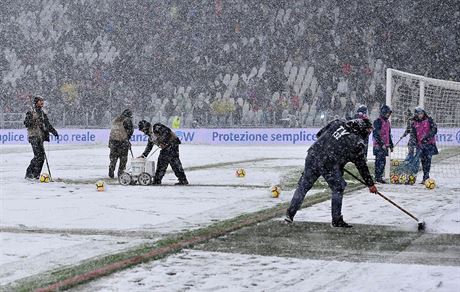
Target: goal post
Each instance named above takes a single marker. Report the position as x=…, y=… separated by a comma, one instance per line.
x=439, y=98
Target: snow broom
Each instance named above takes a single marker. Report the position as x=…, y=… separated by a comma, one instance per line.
x=421, y=223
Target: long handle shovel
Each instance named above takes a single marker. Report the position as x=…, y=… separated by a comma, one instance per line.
x=153, y=152
x=421, y=223
x=131, y=149
x=47, y=165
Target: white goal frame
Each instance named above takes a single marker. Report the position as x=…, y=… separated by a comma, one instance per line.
x=423, y=81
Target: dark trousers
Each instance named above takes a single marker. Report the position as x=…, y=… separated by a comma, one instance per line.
x=36, y=164
x=118, y=150
x=425, y=158
x=169, y=156
x=311, y=173
x=380, y=161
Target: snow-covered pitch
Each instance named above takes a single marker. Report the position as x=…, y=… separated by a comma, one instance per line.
x=45, y=226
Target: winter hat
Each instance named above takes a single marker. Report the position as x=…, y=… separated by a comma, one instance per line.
x=127, y=113
x=37, y=98
x=419, y=110
x=360, y=126
x=144, y=125
x=362, y=109
x=385, y=110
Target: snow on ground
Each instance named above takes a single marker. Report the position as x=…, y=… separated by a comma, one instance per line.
x=77, y=222
x=213, y=271
x=26, y=254
x=74, y=216
x=193, y=270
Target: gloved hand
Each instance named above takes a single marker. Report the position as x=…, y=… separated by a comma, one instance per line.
x=373, y=189
x=384, y=147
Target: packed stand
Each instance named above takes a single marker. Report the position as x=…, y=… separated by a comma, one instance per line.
x=229, y=64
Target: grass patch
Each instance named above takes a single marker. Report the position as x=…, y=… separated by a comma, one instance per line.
x=172, y=243
x=160, y=249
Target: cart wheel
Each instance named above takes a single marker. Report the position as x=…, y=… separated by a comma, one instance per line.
x=125, y=179
x=144, y=179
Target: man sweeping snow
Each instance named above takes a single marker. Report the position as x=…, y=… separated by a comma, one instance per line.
x=338, y=143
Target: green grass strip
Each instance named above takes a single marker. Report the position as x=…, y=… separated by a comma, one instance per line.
x=92, y=269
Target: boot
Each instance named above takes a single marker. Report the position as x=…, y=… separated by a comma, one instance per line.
x=182, y=182
x=424, y=179
x=288, y=218
x=340, y=223
x=381, y=180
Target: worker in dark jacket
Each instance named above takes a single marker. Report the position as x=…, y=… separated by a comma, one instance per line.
x=120, y=134
x=167, y=140
x=423, y=134
x=361, y=113
x=338, y=143
x=382, y=141
x=38, y=131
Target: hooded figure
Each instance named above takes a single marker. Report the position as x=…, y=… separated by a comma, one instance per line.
x=120, y=133
x=361, y=113
x=38, y=131
x=167, y=140
x=338, y=143
x=382, y=141
x=423, y=131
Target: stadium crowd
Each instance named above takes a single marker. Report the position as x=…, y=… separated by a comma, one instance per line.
x=230, y=64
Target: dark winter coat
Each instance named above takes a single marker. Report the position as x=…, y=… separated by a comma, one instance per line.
x=382, y=135
x=122, y=130
x=339, y=144
x=162, y=136
x=38, y=125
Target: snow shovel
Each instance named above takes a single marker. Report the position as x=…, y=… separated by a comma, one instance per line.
x=47, y=165
x=421, y=223
x=130, y=149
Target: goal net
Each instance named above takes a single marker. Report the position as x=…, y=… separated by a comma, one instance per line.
x=441, y=101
